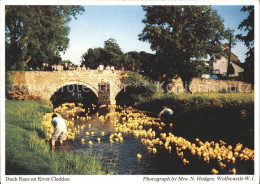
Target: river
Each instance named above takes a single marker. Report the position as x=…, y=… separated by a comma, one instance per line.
x=121, y=156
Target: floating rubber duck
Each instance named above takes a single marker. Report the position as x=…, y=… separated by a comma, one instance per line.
x=139, y=156
x=83, y=140
x=98, y=140
x=214, y=171
x=233, y=171
x=154, y=150
x=184, y=161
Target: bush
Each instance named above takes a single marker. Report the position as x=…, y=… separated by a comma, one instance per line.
x=144, y=88
x=8, y=84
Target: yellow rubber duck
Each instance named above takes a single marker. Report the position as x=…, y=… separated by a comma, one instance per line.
x=83, y=140
x=154, y=150
x=214, y=171
x=139, y=156
x=184, y=161
x=98, y=140
x=233, y=171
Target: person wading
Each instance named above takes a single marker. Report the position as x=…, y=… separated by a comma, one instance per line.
x=166, y=115
x=60, y=130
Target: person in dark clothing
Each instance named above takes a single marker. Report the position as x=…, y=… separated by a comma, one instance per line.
x=47, y=67
x=66, y=67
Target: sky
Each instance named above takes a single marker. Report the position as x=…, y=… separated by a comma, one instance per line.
x=124, y=23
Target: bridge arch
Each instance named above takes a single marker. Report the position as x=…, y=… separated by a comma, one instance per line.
x=75, y=91
x=124, y=96
x=92, y=87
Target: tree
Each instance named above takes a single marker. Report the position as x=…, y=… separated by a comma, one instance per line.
x=144, y=62
x=93, y=57
x=183, y=37
x=248, y=26
x=112, y=53
x=36, y=34
x=62, y=62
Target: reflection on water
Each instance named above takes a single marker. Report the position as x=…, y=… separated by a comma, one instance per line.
x=122, y=157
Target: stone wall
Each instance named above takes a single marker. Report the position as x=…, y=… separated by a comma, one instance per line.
x=44, y=84
x=210, y=85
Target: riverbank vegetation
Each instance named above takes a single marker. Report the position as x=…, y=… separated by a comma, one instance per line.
x=142, y=87
x=184, y=102
x=28, y=153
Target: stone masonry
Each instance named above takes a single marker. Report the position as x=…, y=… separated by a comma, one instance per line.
x=44, y=84
x=210, y=85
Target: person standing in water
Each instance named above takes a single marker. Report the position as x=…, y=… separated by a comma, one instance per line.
x=60, y=130
x=166, y=115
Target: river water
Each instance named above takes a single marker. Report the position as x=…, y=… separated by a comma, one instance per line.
x=121, y=157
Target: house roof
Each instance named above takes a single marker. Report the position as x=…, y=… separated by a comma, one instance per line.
x=242, y=65
x=234, y=58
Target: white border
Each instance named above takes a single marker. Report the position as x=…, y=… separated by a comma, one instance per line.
x=2, y=91
x=129, y=2
x=122, y=178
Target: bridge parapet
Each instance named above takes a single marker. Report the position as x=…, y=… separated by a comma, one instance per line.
x=44, y=83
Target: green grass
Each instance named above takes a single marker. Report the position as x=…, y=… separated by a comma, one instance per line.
x=28, y=153
x=183, y=102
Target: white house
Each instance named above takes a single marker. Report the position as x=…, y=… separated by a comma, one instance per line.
x=220, y=66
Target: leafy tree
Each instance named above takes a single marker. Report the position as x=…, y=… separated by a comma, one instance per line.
x=56, y=60
x=182, y=37
x=36, y=34
x=145, y=63
x=248, y=26
x=112, y=53
x=93, y=57
x=62, y=62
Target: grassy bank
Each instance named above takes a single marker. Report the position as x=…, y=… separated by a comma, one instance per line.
x=28, y=153
x=182, y=102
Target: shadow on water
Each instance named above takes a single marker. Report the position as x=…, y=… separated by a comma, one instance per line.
x=217, y=124
x=75, y=94
x=124, y=97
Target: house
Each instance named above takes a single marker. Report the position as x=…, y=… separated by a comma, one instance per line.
x=220, y=66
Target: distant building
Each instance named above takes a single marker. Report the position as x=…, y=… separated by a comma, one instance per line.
x=220, y=66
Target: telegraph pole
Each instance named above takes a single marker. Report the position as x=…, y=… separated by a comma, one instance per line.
x=229, y=56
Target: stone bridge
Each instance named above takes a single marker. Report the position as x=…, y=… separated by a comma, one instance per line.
x=44, y=84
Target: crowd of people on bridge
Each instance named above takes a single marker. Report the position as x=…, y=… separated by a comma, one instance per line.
x=66, y=66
